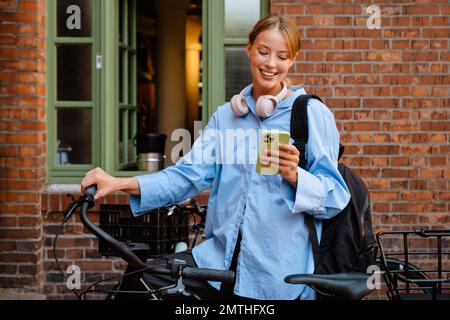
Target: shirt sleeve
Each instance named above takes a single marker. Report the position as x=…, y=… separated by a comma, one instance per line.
x=321, y=191
x=191, y=175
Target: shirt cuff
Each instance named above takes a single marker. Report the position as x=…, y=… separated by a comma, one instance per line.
x=152, y=186
x=309, y=196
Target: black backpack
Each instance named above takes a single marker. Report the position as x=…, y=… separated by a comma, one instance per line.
x=347, y=243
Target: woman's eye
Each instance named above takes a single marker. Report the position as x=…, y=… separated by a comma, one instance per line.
x=282, y=58
x=263, y=52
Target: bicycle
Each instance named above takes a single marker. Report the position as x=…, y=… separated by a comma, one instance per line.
x=404, y=280
x=401, y=276
x=137, y=269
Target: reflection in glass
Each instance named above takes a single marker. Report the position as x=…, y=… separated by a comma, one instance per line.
x=73, y=136
x=237, y=71
x=74, y=72
x=240, y=16
x=74, y=18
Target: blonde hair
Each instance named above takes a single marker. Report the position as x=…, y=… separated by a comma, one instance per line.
x=286, y=27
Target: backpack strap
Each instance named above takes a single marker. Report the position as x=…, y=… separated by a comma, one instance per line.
x=299, y=125
x=309, y=220
x=299, y=132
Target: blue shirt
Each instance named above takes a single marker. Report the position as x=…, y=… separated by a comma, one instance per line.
x=267, y=209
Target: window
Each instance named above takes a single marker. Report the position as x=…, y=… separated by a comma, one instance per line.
x=72, y=90
x=104, y=69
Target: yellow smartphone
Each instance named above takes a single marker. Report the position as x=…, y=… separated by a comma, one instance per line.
x=270, y=140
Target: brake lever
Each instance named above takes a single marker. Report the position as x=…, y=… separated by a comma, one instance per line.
x=177, y=266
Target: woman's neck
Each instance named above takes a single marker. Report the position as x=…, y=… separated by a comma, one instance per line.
x=258, y=92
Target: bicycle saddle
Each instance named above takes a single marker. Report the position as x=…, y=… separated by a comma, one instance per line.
x=349, y=286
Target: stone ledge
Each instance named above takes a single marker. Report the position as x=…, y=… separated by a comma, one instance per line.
x=20, y=294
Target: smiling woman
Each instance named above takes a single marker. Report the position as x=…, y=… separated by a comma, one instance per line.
x=264, y=213
x=272, y=50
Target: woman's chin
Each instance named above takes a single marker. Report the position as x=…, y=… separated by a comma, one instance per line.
x=267, y=84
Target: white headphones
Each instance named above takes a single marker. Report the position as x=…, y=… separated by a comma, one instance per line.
x=265, y=106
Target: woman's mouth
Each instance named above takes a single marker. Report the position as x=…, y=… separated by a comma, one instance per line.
x=268, y=74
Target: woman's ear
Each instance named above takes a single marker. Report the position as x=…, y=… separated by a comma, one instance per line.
x=249, y=47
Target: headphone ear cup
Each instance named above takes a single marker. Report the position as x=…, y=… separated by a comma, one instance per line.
x=266, y=106
x=239, y=105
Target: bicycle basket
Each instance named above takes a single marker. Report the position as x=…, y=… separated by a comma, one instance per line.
x=149, y=235
x=416, y=264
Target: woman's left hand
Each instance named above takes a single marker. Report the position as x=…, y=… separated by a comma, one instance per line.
x=286, y=158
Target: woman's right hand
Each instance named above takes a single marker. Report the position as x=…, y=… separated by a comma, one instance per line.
x=106, y=184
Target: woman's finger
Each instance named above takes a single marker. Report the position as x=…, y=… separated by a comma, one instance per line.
x=284, y=155
x=288, y=148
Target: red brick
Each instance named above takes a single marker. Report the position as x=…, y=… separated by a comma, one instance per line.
x=8, y=4
x=395, y=173
x=424, y=9
x=381, y=149
x=28, y=5
x=384, y=196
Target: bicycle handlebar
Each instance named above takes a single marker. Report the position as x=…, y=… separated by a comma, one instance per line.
x=204, y=274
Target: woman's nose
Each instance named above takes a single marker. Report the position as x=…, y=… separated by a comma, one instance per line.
x=270, y=61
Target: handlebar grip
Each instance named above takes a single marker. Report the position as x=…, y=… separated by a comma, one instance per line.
x=209, y=274
x=89, y=194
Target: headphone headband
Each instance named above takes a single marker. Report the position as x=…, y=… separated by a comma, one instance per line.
x=265, y=106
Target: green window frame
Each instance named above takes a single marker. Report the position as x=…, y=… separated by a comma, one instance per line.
x=107, y=111
x=72, y=172
x=105, y=107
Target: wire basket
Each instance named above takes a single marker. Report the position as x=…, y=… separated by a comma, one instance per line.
x=149, y=235
x=416, y=264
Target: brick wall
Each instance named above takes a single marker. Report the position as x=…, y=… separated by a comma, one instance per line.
x=388, y=88
x=22, y=141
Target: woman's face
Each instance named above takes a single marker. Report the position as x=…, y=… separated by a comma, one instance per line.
x=269, y=61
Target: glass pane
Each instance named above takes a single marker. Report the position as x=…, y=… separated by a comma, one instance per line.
x=73, y=136
x=121, y=154
x=131, y=134
x=74, y=72
x=240, y=16
x=74, y=18
x=121, y=65
x=131, y=21
x=131, y=78
x=237, y=71
x=121, y=12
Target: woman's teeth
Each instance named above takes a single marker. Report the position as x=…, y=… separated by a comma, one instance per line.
x=268, y=74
